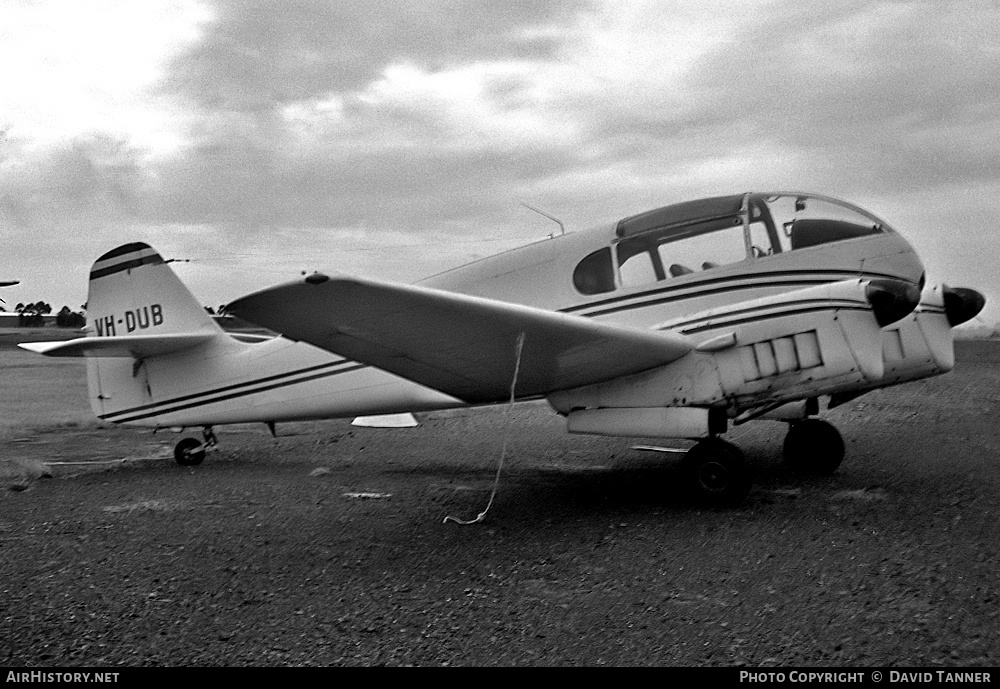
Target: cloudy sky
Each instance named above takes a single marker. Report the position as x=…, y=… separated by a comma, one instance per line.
x=258, y=139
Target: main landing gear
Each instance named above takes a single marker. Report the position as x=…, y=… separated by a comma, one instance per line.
x=718, y=473
x=813, y=446
x=191, y=451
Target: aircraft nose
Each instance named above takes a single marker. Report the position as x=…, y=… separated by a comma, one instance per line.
x=891, y=299
x=962, y=304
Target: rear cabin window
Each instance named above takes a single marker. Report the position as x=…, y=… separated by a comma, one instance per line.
x=596, y=273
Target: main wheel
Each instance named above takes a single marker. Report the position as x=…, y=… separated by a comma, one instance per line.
x=814, y=446
x=718, y=472
x=187, y=454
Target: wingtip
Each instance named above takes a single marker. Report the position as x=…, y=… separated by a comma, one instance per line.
x=38, y=347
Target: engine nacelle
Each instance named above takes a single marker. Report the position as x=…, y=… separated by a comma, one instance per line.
x=656, y=422
x=764, y=352
x=922, y=344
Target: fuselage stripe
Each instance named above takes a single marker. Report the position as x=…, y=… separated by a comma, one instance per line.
x=691, y=290
x=774, y=310
x=752, y=319
x=237, y=390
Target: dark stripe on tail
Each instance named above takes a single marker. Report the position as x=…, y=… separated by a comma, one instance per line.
x=130, y=256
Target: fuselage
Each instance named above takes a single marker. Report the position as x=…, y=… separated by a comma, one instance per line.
x=640, y=271
x=234, y=382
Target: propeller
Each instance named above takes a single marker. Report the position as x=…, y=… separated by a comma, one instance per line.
x=891, y=299
x=962, y=304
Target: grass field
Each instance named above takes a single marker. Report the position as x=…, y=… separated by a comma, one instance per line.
x=41, y=392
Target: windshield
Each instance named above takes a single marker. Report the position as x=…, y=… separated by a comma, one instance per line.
x=798, y=221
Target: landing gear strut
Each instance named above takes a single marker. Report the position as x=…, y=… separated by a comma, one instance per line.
x=718, y=472
x=191, y=451
x=813, y=446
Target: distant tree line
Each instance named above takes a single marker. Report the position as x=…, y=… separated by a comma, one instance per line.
x=33, y=316
x=70, y=319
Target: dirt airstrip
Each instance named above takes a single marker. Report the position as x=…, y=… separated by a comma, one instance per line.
x=326, y=545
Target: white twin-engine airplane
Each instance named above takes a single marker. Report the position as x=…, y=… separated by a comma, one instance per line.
x=673, y=323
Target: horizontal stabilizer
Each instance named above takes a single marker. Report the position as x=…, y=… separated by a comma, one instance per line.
x=137, y=346
x=459, y=344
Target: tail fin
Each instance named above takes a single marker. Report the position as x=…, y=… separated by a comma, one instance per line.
x=139, y=316
x=134, y=292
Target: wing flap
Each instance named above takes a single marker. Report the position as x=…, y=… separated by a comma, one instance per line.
x=462, y=345
x=404, y=420
x=138, y=346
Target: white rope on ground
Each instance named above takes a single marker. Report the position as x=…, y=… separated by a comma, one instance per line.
x=105, y=461
x=503, y=448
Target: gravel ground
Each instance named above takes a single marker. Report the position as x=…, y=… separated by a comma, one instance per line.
x=326, y=545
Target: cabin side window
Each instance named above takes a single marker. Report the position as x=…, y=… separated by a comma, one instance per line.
x=702, y=252
x=638, y=262
x=638, y=270
x=595, y=274
x=675, y=252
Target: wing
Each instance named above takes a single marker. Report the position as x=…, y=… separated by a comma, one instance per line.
x=462, y=345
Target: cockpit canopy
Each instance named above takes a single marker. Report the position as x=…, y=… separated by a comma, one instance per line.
x=707, y=234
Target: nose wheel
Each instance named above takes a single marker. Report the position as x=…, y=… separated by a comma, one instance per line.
x=718, y=473
x=813, y=446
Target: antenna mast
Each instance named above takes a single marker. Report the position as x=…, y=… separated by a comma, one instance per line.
x=562, y=228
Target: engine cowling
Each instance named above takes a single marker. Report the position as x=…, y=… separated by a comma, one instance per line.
x=765, y=352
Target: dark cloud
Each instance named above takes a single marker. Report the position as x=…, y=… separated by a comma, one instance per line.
x=256, y=55
x=850, y=96
x=895, y=95
x=256, y=186
x=393, y=163
x=83, y=182
x=60, y=205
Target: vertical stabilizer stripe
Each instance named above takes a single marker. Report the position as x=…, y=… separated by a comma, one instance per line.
x=125, y=258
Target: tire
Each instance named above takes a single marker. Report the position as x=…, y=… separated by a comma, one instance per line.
x=185, y=453
x=814, y=446
x=717, y=472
